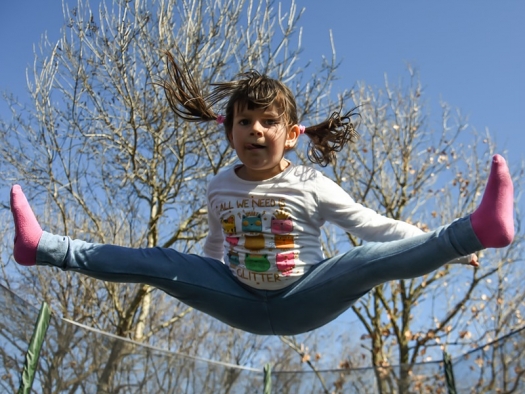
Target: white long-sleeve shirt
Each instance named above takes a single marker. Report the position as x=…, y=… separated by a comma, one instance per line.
x=269, y=231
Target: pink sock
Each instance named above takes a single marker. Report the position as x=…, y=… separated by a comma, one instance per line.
x=493, y=221
x=27, y=229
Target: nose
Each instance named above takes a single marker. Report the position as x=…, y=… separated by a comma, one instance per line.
x=257, y=129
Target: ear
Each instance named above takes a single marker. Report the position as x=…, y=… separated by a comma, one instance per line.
x=230, y=139
x=292, y=136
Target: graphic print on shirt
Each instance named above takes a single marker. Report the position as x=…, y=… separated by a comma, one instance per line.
x=252, y=228
x=252, y=223
x=257, y=262
x=229, y=228
x=281, y=222
x=254, y=242
x=228, y=225
x=286, y=262
x=284, y=241
x=281, y=226
x=233, y=241
x=233, y=258
x=259, y=241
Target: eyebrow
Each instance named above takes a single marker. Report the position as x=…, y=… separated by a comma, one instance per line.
x=273, y=113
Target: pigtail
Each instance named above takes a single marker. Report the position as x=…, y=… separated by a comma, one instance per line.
x=184, y=95
x=330, y=136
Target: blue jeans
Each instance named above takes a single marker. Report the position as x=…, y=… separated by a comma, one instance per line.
x=323, y=293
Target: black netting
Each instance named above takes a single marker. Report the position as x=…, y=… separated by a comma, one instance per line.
x=76, y=359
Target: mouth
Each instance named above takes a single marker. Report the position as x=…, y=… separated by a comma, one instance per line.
x=254, y=146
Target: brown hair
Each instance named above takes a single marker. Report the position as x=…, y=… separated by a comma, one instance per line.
x=255, y=90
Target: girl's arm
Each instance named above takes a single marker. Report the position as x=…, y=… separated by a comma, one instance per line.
x=214, y=243
x=336, y=206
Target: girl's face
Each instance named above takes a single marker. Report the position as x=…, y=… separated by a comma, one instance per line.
x=260, y=138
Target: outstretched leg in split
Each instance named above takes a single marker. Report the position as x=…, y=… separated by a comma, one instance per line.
x=27, y=230
x=493, y=221
x=203, y=283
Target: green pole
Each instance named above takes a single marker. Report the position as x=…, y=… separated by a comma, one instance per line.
x=33, y=351
x=449, y=373
x=268, y=379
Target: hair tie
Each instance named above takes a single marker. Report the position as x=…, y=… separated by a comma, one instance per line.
x=220, y=119
x=302, y=128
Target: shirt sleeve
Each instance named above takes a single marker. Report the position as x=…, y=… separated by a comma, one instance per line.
x=337, y=207
x=213, y=245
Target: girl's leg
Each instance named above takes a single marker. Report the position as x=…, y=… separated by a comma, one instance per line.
x=334, y=285
x=493, y=221
x=203, y=283
x=27, y=229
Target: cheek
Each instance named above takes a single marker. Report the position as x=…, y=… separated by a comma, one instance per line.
x=277, y=138
x=277, y=134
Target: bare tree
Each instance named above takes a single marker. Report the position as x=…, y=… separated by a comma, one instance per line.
x=408, y=167
x=103, y=158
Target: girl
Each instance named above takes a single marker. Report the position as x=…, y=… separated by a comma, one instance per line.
x=263, y=269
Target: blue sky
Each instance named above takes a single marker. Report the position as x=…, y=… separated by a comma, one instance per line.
x=470, y=54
